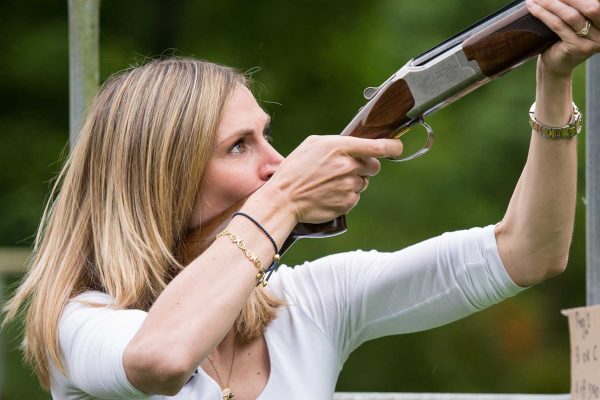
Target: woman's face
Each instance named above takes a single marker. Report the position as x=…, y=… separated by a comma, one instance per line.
x=242, y=159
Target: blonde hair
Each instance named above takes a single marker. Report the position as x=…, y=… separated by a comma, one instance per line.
x=118, y=212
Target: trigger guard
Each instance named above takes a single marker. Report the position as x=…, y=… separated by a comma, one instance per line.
x=424, y=149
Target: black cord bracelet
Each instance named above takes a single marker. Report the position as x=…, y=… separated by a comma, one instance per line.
x=275, y=264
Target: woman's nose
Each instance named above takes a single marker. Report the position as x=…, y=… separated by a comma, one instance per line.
x=272, y=161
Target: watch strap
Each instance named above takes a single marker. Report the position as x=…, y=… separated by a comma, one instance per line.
x=561, y=132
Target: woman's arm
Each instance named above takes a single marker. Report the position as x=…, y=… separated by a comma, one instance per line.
x=535, y=234
x=197, y=309
x=320, y=180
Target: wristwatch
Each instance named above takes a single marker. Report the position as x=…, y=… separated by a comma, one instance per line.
x=564, y=132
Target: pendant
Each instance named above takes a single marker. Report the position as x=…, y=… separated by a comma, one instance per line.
x=227, y=394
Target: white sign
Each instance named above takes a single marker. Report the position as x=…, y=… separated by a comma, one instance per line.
x=584, y=328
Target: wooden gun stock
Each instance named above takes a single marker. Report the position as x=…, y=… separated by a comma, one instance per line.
x=442, y=75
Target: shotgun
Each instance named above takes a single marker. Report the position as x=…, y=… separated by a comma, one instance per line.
x=482, y=52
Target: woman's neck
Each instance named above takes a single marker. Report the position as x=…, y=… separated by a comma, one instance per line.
x=225, y=348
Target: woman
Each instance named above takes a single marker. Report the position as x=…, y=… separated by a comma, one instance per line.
x=118, y=306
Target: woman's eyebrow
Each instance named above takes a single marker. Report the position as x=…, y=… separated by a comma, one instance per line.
x=240, y=133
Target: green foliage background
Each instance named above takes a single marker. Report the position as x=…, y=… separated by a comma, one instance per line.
x=315, y=57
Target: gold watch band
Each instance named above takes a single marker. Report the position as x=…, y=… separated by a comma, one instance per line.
x=562, y=132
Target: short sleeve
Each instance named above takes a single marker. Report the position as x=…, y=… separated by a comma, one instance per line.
x=92, y=340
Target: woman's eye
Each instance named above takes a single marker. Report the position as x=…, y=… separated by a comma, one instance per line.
x=267, y=134
x=238, y=147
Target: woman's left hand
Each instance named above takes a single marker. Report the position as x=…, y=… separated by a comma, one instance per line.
x=567, y=18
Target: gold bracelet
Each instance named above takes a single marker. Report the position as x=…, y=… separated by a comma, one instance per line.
x=557, y=132
x=251, y=256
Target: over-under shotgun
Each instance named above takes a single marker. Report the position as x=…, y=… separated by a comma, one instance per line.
x=444, y=74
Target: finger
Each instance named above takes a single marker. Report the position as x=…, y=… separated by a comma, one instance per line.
x=564, y=31
x=378, y=148
x=567, y=13
x=580, y=47
x=361, y=184
x=368, y=166
x=589, y=8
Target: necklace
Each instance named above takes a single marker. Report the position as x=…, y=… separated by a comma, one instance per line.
x=227, y=394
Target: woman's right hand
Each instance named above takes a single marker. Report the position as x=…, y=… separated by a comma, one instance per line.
x=322, y=178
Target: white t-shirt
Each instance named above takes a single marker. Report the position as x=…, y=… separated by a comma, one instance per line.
x=335, y=304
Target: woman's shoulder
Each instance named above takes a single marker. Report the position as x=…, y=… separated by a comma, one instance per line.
x=89, y=299
x=92, y=305
x=92, y=335
x=92, y=295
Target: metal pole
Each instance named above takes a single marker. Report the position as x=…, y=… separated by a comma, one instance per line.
x=592, y=180
x=84, y=20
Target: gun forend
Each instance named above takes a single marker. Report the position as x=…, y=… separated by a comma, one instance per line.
x=449, y=71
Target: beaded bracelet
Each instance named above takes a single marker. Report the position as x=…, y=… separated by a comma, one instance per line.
x=275, y=264
x=251, y=256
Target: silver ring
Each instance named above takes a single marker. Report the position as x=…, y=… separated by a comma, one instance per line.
x=366, y=180
x=586, y=29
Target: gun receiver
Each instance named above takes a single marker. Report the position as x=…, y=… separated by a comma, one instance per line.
x=431, y=81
